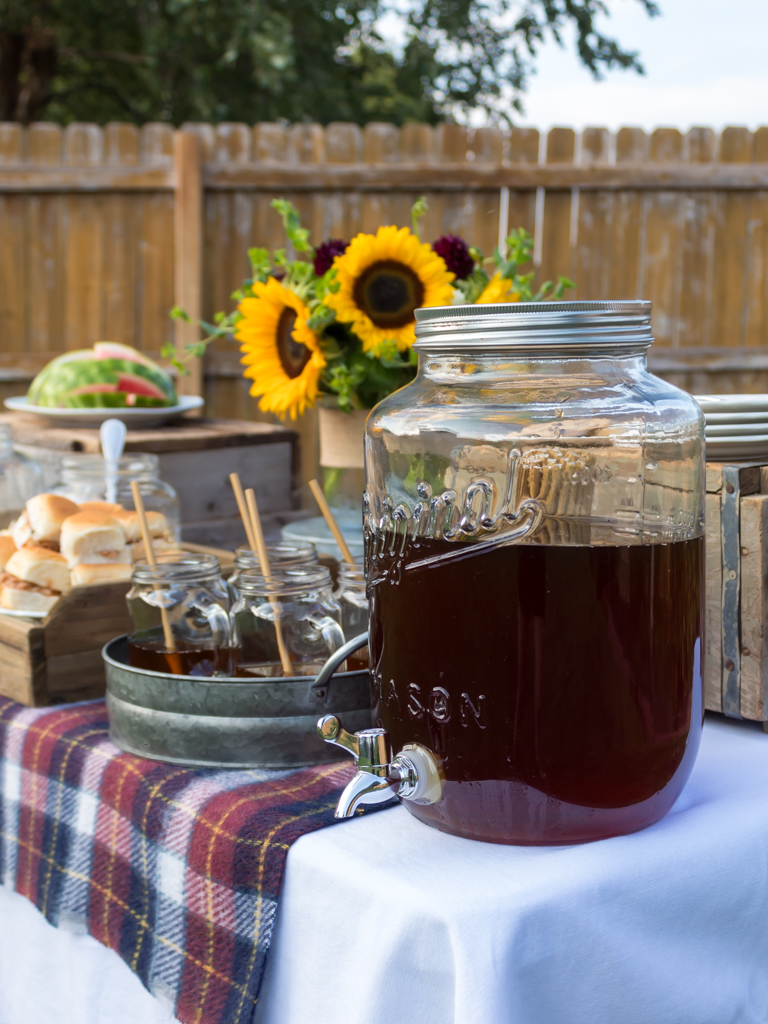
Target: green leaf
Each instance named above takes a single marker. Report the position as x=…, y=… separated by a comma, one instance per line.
x=321, y=317
x=418, y=210
x=261, y=265
x=298, y=235
x=177, y=313
x=563, y=284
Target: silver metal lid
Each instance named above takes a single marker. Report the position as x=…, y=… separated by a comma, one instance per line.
x=574, y=327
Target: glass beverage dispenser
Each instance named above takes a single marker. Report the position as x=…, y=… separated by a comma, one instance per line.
x=534, y=544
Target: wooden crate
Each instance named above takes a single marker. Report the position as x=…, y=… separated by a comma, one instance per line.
x=58, y=659
x=196, y=457
x=736, y=663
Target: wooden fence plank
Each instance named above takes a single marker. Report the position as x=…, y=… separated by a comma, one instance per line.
x=381, y=145
x=662, y=232
x=732, y=215
x=523, y=151
x=697, y=240
x=756, y=286
x=118, y=314
x=156, y=144
x=83, y=242
x=45, y=257
x=188, y=249
x=626, y=272
x=592, y=261
x=14, y=294
x=556, y=229
x=483, y=230
x=448, y=214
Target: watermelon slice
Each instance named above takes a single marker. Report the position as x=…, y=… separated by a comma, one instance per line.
x=114, y=350
x=133, y=384
x=108, y=375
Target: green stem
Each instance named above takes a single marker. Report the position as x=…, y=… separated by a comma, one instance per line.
x=331, y=482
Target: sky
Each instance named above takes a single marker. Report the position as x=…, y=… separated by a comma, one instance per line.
x=706, y=64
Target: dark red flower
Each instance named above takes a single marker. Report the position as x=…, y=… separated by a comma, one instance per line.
x=326, y=253
x=455, y=252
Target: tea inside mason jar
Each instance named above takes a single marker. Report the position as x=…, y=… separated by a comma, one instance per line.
x=186, y=660
x=548, y=679
x=287, y=625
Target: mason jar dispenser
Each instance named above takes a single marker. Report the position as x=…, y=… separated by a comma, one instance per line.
x=534, y=546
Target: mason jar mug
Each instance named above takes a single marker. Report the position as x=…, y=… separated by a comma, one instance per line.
x=180, y=611
x=534, y=551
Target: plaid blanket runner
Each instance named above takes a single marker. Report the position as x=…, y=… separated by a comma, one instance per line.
x=176, y=869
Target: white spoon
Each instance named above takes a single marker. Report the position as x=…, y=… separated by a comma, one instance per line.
x=112, y=436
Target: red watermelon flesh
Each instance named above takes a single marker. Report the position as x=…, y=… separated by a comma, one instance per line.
x=132, y=384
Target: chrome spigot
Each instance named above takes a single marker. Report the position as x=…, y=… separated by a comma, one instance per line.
x=413, y=774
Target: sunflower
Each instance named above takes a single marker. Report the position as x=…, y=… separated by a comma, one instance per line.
x=499, y=289
x=282, y=354
x=383, y=278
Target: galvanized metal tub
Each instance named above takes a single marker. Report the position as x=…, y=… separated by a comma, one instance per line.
x=229, y=723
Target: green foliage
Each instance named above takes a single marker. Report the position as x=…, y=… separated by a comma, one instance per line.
x=265, y=60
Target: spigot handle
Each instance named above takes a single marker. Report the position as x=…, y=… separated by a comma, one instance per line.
x=329, y=728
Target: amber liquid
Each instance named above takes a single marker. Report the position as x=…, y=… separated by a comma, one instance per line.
x=184, y=661
x=559, y=685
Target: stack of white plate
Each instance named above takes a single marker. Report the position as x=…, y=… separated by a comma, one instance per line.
x=737, y=426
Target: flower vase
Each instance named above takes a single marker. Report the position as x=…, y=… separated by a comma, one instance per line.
x=341, y=455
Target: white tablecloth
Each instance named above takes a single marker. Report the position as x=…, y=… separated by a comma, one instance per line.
x=385, y=921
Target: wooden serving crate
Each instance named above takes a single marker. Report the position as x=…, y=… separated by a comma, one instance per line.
x=736, y=662
x=58, y=659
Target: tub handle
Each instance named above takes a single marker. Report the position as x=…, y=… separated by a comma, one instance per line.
x=320, y=688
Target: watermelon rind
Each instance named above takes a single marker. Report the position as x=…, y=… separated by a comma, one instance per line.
x=54, y=385
x=111, y=400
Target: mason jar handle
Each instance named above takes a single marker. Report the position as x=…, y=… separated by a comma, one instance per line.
x=338, y=657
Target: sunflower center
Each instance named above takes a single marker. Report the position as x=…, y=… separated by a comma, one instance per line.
x=389, y=292
x=294, y=355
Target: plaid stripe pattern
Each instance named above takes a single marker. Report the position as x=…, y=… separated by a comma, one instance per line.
x=176, y=869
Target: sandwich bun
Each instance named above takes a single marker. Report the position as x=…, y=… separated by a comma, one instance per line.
x=7, y=548
x=21, y=531
x=46, y=513
x=105, y=572
x=131, y=524
x=92, y=538
x=40, y=566
x=107, y=508
x=25, y=600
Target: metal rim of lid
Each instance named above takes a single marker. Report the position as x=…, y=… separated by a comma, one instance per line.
x=623, y=324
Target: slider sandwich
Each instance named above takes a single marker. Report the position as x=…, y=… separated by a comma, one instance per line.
x=34, y=579
x=92, y=538
x=41, y=521
x=158, y=531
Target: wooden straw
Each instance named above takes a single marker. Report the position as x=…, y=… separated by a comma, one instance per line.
x=149, y=554
x=261, y=550
x=237, y=487
x=333, y=526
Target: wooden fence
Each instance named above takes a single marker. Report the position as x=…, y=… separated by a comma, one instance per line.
x=102, y=230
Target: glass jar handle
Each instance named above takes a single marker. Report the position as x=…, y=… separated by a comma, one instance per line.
x=331, y=631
